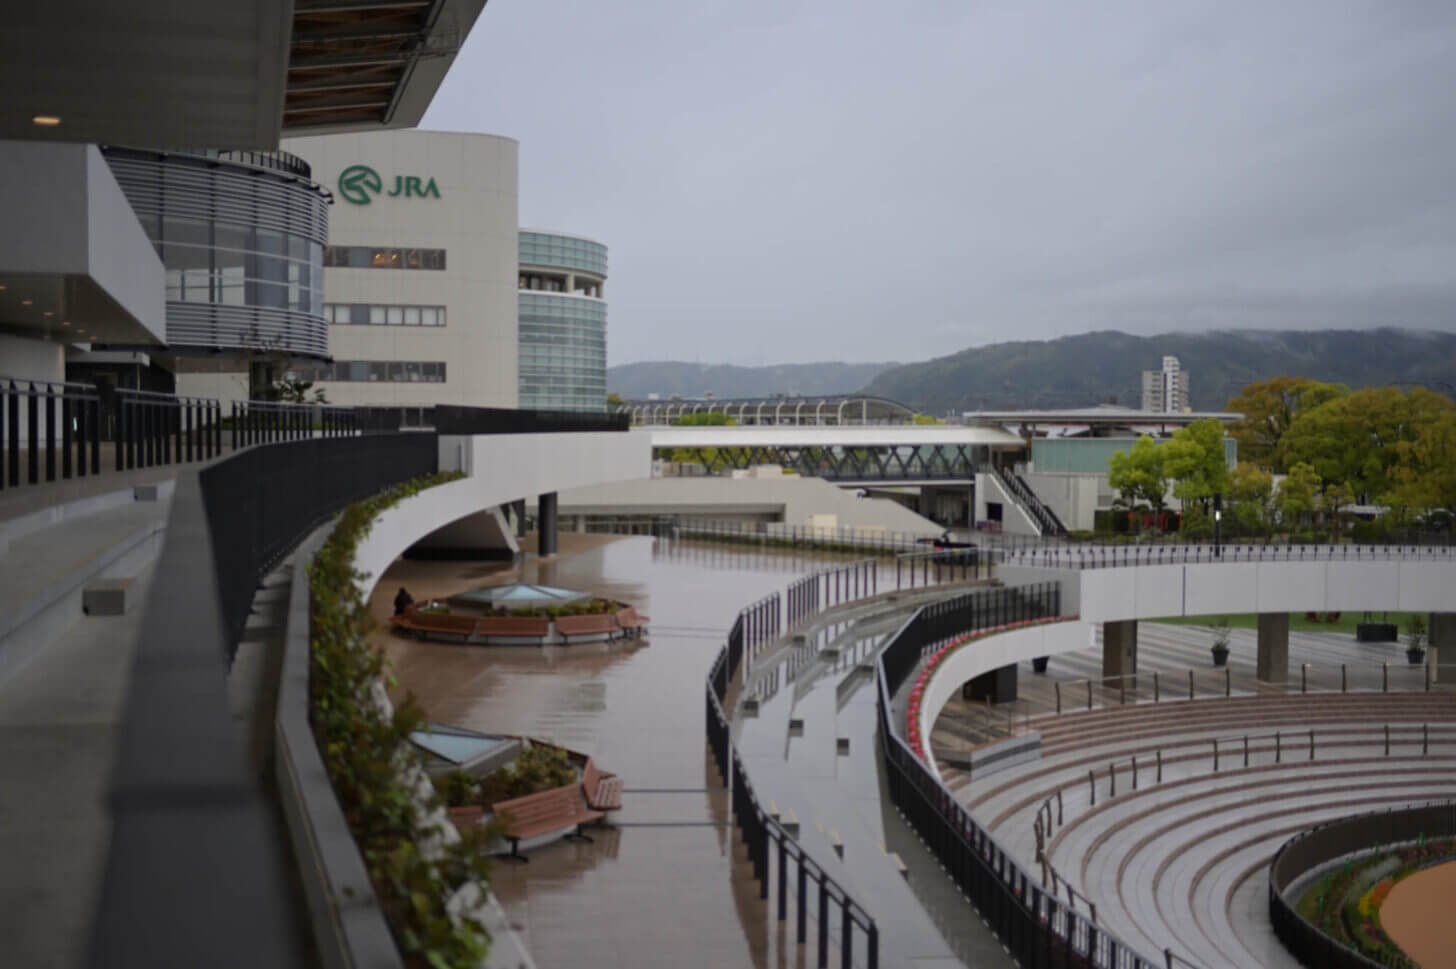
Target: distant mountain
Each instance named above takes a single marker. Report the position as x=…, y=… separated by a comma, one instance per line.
x=1096, y=367
x=635, y=380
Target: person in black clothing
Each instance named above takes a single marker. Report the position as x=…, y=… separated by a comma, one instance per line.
x=402, y=601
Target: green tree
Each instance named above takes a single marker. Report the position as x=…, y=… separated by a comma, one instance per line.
x=1296, y=495
x=1360, y=438
x=925, y=419
x=1423, y=474
x=1138, y=474
x=614, y=400
x=1252, y=490
x=714, y=419
x=1194, y=461
x=707, y=455
x=1269, y=409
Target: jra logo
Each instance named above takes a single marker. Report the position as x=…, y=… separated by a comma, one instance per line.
x=358, y=182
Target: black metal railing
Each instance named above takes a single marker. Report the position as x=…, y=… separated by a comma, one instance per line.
x=1035, y=924
x=48, y=431
x=813, y=594
x=919, y=569
x=496, y=420
x=56, y=431
x=781, y=866
x=1045, y=518
x=1337, y=839
x=1124, y=556
x=193, y=836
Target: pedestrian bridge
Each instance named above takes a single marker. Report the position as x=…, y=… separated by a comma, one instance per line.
x=903, y=453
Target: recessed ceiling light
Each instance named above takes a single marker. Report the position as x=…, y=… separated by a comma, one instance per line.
x=65, y=322
x=26, y=302
x=2, y=288
x=46, y=120
x=50, y=313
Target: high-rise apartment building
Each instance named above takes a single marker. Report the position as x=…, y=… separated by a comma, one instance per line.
x=1166, y=391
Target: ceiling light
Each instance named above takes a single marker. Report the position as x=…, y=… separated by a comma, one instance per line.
x=26, y=302
x=50, y=313
x=65, y=322
x=2, y=288
x=46, y=120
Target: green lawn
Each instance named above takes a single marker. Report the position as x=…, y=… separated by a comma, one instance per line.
x=1297, y=621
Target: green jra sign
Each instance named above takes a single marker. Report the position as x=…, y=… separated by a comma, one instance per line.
x=358, y=182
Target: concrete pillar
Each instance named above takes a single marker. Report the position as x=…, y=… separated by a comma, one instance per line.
x=998, y=685
x=1119, y=649
x=518, y=511
x=1442, y=629
x=546, y=525
x=1272, y=665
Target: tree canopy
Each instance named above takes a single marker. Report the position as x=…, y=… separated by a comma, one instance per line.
x=1270, y=408
x=1359, y=439
x=1194, y=460
x=1138, y=474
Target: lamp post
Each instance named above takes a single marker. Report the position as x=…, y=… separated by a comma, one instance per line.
x=1217, y=526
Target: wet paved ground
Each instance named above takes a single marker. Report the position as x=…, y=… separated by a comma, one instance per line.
x=668, y=886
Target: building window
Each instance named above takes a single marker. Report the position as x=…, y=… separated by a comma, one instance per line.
x=373, y=371
x=383, y=314
x=377, y=257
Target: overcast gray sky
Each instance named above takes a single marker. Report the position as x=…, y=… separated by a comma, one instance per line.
x=797, y=180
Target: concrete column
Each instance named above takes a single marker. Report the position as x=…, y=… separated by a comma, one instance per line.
x=998, y=685
x=546, y=525
x=518, y=511
x=1272, y=665
x=1442, y=628
x=1119, y=648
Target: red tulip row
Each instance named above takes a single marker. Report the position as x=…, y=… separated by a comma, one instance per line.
x=912, y=714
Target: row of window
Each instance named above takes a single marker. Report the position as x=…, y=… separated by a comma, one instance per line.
x=200, y=286
x=169, y=232
x=374, y=371
x=383, y=314
x=374, y=257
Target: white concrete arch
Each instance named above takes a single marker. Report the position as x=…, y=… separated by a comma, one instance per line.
x=500, y=468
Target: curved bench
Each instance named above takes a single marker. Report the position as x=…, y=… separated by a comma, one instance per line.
x=601, y=625
x=512, y=627
x=543, y=813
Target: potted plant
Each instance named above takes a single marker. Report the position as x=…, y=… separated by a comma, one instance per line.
x=1220, y=630
x=1039, y=664
x=1415, y=639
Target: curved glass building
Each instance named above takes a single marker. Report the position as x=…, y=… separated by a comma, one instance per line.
x=241, y=236
x=563, y=322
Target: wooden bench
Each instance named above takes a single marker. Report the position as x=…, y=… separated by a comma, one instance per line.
x=630, y=622
x=603, y=790
x=596, y=625
x=542, y=813
x=428, y=624
x=537, y=626
x=465, y=816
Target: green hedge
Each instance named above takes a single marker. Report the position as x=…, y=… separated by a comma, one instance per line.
x=368, y=756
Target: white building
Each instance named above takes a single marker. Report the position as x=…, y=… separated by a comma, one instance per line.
x=1166, y=390
x=420, y=275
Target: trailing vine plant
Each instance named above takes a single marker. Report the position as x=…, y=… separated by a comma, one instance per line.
x=373, y=768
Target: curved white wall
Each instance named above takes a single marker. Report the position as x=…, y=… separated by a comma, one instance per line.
x=994, y=652
x=501, y=468
x=1203, y=589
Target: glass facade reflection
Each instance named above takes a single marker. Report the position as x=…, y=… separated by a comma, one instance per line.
x=567, y=252
x=243, y=249
x=563, y=323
